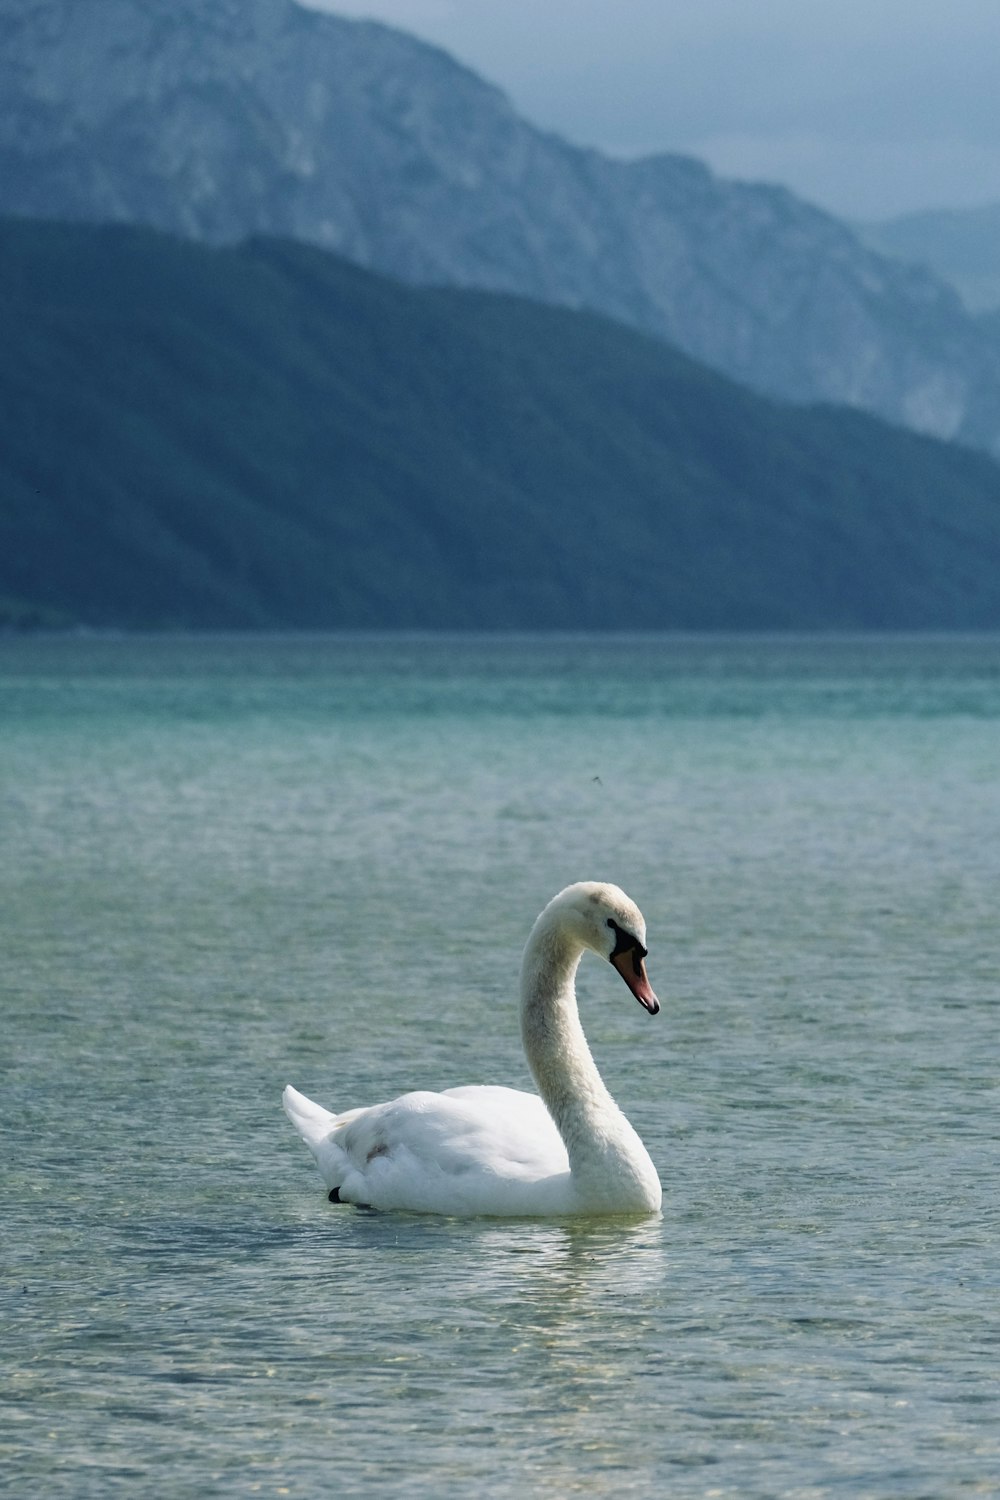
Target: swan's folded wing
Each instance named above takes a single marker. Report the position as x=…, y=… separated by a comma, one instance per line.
x=462, y=1151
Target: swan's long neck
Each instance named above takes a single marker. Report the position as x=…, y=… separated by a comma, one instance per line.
x=605, y=1154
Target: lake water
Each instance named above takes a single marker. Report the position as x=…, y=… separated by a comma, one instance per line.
x=228, y=864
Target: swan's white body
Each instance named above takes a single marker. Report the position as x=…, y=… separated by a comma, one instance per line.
x=490, y=1150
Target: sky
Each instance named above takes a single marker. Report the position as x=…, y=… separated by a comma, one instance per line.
x=869, y=108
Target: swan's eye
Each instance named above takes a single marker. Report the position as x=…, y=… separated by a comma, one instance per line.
x=625, y=942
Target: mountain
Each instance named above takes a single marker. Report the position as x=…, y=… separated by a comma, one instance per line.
x=960, y=245
x=270, y=436
x=217, y=119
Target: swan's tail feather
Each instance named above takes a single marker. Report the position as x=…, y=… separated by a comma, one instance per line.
x=312, y=1121
x=317, y=1127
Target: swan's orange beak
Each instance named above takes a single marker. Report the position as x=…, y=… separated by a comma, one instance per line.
x=632, y=968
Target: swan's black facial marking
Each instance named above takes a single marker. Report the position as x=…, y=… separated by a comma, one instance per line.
x=627, y=942
x=627, y=957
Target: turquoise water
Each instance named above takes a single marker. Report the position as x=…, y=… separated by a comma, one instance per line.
x=229, y=864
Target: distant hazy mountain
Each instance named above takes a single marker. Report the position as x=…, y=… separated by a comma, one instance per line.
x=962, y=246
x=271, y=436
x=218, y=118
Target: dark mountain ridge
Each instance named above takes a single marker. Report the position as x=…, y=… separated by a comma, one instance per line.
x=217, y=119
x=269, y=436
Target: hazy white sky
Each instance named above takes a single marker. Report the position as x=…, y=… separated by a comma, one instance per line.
x=867, y=107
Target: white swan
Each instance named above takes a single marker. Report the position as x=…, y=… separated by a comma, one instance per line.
x=489, y=1150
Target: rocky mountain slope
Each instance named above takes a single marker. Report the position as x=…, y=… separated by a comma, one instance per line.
x=269, y=436
x=961, y=245
x=220, y=118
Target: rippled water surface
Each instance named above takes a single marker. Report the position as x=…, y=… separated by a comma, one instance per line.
x=230, y=864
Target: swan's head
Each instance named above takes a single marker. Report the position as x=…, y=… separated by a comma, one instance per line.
x=608, y=922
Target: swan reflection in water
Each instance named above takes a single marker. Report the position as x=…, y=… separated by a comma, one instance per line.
x=564, y=1312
